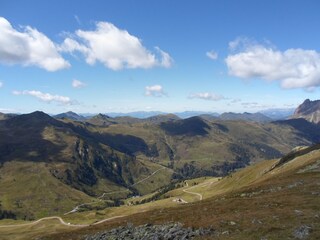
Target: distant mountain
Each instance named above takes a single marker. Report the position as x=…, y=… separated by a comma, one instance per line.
x=188, y=114
x=162, y=118
x=101, y=120
x=145, y=114
x=139, y=114
x=309, y=110
x=209, y=117
x=278, y=113
x=191, y=127
x=70, y=115
x=251, y=117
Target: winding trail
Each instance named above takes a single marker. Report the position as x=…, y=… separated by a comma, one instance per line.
x=143, y=180
x=199, y=185
x=61, y=221
x=77, y=208
x=100, y=198
x=194, y=193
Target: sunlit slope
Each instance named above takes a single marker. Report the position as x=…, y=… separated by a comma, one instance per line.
x=266, y=200
x=30, y=191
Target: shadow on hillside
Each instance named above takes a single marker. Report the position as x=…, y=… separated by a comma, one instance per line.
x=21, y=138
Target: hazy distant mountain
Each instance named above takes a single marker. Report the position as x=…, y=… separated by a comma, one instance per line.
x=145, y=114
x=70, y=115
x=139, y=114
x=309, y=110
x=209, y=117
x=278, y=113
x=252, y=117
x=188, y=114
x=162, y=118
x=101, y=120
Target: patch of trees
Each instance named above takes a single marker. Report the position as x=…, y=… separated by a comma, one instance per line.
x=7, y=214
x=104, y=205
x=189, y=170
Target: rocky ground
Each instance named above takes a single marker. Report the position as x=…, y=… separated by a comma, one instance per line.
x=172, y=231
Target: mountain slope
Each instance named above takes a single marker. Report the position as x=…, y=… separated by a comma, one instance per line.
x=258, y=202
x=309, y=110
x=79, y=158
x=253, y=117
x=70, y=115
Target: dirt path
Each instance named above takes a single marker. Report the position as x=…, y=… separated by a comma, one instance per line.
x=194, y=193
x=61, y=221
x=43, y=219
x=143, y=180
x=100, y=198
x=199, y=185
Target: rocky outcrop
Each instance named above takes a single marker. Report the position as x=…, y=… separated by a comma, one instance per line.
x=309, y=110
x=172, y=231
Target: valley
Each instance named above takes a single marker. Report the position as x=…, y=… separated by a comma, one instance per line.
x=66, y=177
x=225, y=203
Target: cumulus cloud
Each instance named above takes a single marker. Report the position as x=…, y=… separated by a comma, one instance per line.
x=155, y=91
x=115, y=48
x=78, y=84
x=294, y=68
x=46, y=97
x=212, y=55
x=28, y=47
x=207, y=96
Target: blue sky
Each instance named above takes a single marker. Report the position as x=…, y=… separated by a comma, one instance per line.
x=124, y=56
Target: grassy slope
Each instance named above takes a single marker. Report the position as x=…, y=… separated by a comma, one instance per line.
x=28, y=187
x=215, y=147
x=260, y=203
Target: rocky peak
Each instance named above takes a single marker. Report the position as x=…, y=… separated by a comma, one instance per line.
x=309, y=110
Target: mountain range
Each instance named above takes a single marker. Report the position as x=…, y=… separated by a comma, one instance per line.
x=73, y=164
x=265, y=115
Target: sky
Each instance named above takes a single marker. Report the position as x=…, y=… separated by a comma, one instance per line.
x=169, y=55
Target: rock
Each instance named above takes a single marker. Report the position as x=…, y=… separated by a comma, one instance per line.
x=232, y=223
x=170, y=231
x=302, y=232
x=298, y=212
x=256, y=221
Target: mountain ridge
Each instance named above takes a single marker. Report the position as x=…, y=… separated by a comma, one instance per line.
x=309, y=110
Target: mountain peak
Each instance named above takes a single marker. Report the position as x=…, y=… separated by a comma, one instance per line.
x=35, y=118
x=309, y=110
x=70, y=115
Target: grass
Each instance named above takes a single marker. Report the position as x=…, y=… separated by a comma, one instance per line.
x=29, y=189
x=256, y=204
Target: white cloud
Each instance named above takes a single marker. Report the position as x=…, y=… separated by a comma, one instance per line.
x=115, y=48
x=1, y=84
x=212, y=55
x=294, y=68
x=28, y=48
x=155, y=91
x=207, y=96
x=46, y=97
x=78, y=84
